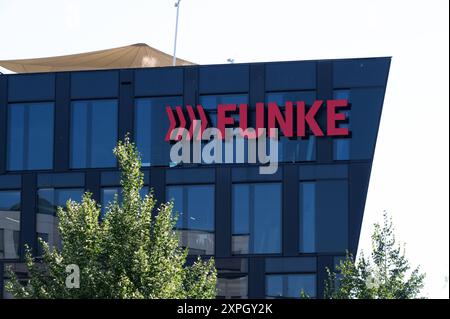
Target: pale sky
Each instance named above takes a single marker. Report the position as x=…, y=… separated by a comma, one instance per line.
x=411, y=165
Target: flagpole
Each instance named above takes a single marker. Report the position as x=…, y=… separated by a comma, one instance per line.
x=177, y=5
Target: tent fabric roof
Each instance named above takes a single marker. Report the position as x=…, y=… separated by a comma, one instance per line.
x=131, y=56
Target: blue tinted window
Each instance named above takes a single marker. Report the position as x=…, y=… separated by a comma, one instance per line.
x=49, y=198
x=9, y=224
x=364, y=117
x=332, y=216
x=294, y=150
x=194, y=205
x=176, y=193
x=290, y=286
x=93, y=133
x=365, y=111
x=308, y=217
x=151, y=125
x=300, y=150
x=210, y=103
x=241, y=213
x=256, y=208
x=30, y=136
x=200, y=208
x=341, y=146
x=281, y=97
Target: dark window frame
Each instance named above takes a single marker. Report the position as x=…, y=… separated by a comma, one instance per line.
x=300, y=212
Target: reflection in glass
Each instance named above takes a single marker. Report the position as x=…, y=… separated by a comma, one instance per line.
x=290, y=286
x=151, y=125
x=93, y=133
x=232, y=286
x=232, y=278
x=308, y=217
x=300, y=150
x=256, y=218
x=9, y=224
x=30, y=136
x=194, y=205
x=295, y=150
x=49, y=199
x=210, y=103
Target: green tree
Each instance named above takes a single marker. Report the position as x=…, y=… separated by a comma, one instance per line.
x=387, y=275
x=129, y=254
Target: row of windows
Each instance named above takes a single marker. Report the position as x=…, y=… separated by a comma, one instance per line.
x=256, y=216
x=211, y=79
x=231, y=285
x=94, y=126
x=235, y=286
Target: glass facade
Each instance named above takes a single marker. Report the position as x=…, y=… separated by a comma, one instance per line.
x=307, y=217
x=364, y=113
x=30, y=136
x=294, y=150
x=9, y=224
x=150, y=138
x=194, y=205
x=256, y=208
x=49, y=199
x=291, y=286
x=232, y=278
x=210, y=102
x=93, y=133
x=270, y=235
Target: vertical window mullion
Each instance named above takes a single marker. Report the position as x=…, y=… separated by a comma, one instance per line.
x=89, y=136
x=285, y=285
x=251, y=219
x=26, y=132
x=307, y=205
x=185, y=207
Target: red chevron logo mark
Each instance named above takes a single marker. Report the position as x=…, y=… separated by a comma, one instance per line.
x=183, y=123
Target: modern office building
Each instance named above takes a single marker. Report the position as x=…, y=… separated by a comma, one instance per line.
x=271, y=235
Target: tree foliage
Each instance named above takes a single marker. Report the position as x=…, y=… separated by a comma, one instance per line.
x=386, y=275
x=129, y=254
